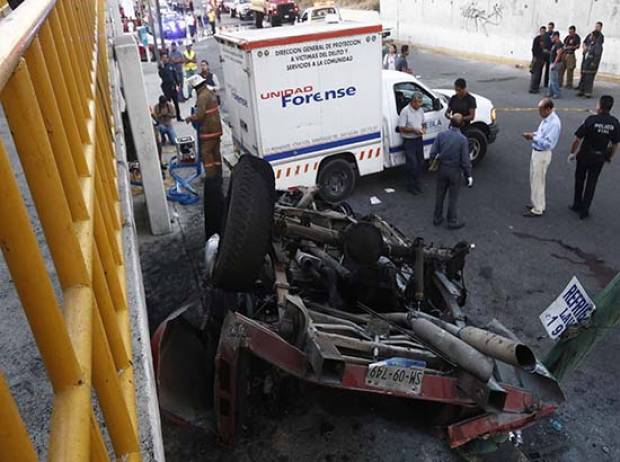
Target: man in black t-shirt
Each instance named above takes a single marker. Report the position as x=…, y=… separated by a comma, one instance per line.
x=599, y=136
x=462, y=103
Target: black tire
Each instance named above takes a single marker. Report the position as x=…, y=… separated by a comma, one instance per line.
x=336, y=180
x=247, y=225
x=478, y=144
x=276, y=21
x=232, y=13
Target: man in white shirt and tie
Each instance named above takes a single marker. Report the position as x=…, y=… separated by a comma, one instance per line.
x=544, y=140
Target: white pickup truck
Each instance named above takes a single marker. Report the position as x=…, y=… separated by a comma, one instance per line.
x=314, y=101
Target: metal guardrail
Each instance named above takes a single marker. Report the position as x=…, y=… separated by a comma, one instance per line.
x=55, y=93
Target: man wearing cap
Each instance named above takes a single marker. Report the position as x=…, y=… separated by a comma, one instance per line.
x=411, y=128
x=207, y=117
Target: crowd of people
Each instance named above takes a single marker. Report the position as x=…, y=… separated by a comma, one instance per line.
x=394, y=61
x=553, y=66
x=595, y=144
x=449, y=153
x=554, y=59
x=180, y=76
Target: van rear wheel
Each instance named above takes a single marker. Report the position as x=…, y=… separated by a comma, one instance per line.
x=336, y=180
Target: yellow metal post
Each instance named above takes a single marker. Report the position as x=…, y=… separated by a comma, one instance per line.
x=108, y=316
x=35, y=152
x=69, y=75
x=27, y=267
x=67, y=112
x=120, y=427
x=79, y=61
x=110, y=267
x=56, y=131
x=57, y=102
x=14, y=440
x=98, y=451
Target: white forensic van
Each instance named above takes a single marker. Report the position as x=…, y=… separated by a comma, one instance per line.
x=314, y=101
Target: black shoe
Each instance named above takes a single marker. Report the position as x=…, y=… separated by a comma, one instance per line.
x=179, y=119
x=530, y=214
x=534, y=92
x=584, y=214
x=457, y=225
x=529, y=206
x=437, y=221
x=414, y=191
x=574, y=208
x=579, y=93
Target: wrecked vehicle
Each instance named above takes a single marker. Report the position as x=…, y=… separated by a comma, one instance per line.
x=319, y=293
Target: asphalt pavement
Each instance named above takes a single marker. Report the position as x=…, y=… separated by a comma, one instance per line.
x=516, y=270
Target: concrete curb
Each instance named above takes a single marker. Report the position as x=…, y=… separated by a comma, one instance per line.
x=149, y=423
x=519, y=64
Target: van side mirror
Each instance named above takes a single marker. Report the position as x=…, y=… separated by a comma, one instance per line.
x=436, y=104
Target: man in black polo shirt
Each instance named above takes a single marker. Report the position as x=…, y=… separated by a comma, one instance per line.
x=462, y=103
x=599, y=136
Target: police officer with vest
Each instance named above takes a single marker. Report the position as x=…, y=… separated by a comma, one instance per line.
x=597, y=139
x=212, y=81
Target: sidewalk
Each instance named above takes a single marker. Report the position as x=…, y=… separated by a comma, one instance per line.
x=172, y=265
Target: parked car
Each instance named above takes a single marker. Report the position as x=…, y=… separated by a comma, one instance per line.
x=227, y=6
x=241, y=9
x=320, y=13
x=281, y=11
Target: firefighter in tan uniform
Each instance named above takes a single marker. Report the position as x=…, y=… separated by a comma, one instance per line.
x=207, y=116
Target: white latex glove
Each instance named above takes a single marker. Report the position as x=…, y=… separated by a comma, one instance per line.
x=571, y=157
x=470, y=181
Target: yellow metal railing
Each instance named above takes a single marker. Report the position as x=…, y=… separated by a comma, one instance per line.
x=55, y=93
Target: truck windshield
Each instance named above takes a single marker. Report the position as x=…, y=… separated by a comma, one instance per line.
x=321, y=13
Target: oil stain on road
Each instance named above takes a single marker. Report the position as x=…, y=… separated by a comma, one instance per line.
x=600, y=270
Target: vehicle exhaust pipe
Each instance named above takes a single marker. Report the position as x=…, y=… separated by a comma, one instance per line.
x=498, y=347
x=476, y=378
x=494, y=345
x=453, y=349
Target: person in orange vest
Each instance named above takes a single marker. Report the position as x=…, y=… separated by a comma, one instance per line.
x=207, y=118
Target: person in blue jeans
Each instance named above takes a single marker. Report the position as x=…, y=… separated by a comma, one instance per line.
x=557, y=66
x=411, y=128
x=164, y=113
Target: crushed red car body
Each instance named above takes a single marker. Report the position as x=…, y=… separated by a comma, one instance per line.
x=316, y=292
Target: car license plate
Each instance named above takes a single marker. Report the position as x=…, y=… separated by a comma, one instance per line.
x=400, y=376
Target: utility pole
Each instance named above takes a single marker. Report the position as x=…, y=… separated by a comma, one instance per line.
x=152, y=23
x=161, y=26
